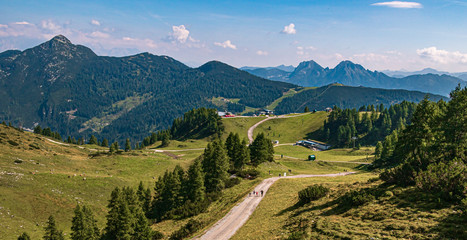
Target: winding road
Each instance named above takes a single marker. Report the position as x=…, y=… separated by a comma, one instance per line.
x=226, y=227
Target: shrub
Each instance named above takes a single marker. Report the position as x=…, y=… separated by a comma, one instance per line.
x=311, y=193
x=356, y=198
x=250, y=173
x=231, y=182
x=189, y=209
x=157, y=235
x=446, y=180
x=297, y=236
x=191, y=227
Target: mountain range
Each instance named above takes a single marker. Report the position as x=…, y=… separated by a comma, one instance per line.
x=74, y=91
x=311, y=74
x=401, y=74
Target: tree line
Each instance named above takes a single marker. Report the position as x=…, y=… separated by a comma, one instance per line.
x=369, y=124
x=431, y=152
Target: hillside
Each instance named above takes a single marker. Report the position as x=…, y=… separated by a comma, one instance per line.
x=74, y=91
x=347, y=97
x=311, y=74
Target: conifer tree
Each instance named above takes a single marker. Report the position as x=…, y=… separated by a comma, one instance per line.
x=127, y=145
x=119, y=218
x=306, y=109
x=261, y=150
x=84, y=225
x=144, y=197
x=195, y=182
x=24, y=236
x=51, y=231
x=93, y=140
x=142, y=230
x=38, y=129
x=105, y=143
x=215, y=166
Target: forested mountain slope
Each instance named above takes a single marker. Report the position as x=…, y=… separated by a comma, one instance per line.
x=76, y=92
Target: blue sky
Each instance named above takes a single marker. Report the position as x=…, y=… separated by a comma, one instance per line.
x=379, y=35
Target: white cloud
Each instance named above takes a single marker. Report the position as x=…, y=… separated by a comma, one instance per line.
x=305, y=51
x=442, y=56
x=226, y=44
x=180, y=33
x=399, y=4
x=95, y=22
x=289, y=29
x=23, y=23
x=3, y=26
x=262, y=53
x=50, y=25
x=98, y=34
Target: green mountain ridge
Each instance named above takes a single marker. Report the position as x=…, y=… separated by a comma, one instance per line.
x=70, y=89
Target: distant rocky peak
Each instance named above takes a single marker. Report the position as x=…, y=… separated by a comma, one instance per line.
x=62, y=39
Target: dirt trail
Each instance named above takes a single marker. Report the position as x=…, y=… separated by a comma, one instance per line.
x=226, y=227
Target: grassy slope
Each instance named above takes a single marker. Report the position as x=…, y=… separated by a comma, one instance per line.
x=239, y=125
x=399, y=214
x=289, y=93
x=45, y=182
x=290, y=130
x=345, y=155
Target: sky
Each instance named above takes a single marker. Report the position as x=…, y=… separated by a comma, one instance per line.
x=380, y=35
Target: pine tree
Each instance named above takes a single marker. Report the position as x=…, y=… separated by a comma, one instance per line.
x=215, y=166
x=261, y=150
x=105, y=143
x=306, y=109
x=93, y=140
x=242, y=155
x=119, y=218
x=84, y=226
x=165, y=140
x=24, y=236
x=127, y=145
x=141, y=230
x=51, y=231
x=378, y=149
x=38, y=130
x=195, y=182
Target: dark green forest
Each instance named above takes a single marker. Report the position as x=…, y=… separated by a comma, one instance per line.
x=347, y=97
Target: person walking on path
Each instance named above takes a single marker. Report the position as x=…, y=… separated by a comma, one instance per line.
x=262, y=193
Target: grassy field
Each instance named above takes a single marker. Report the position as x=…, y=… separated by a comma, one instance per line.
x=365, y=154
x=39, y=178
x=290, y=130
x=398, y=214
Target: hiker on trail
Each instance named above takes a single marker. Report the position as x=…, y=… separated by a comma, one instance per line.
x=262, y=193
x=279, y=174
x=249, y=194
x=254, y=193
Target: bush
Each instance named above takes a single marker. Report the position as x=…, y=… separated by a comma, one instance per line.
x=356, y=198
x=191, y=227
x=189, y=209
x=250, y=173
x=297, y=236
x=157, y=235
x=311, y=193
x=446, y=180
x=231, y=182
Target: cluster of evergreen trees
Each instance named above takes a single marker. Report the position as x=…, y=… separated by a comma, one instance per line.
x=431, y=152
x=180, y=193
x=126, y=219
x=370, y=124
x=48, y=132
x=196, y=123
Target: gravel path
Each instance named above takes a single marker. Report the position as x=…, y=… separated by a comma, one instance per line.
x=226, y=227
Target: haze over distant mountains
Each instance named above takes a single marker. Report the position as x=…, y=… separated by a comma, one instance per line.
x=310, y=73
x=401, y=74
x=72, y=90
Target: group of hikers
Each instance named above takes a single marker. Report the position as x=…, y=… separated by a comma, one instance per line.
x=256, y=193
